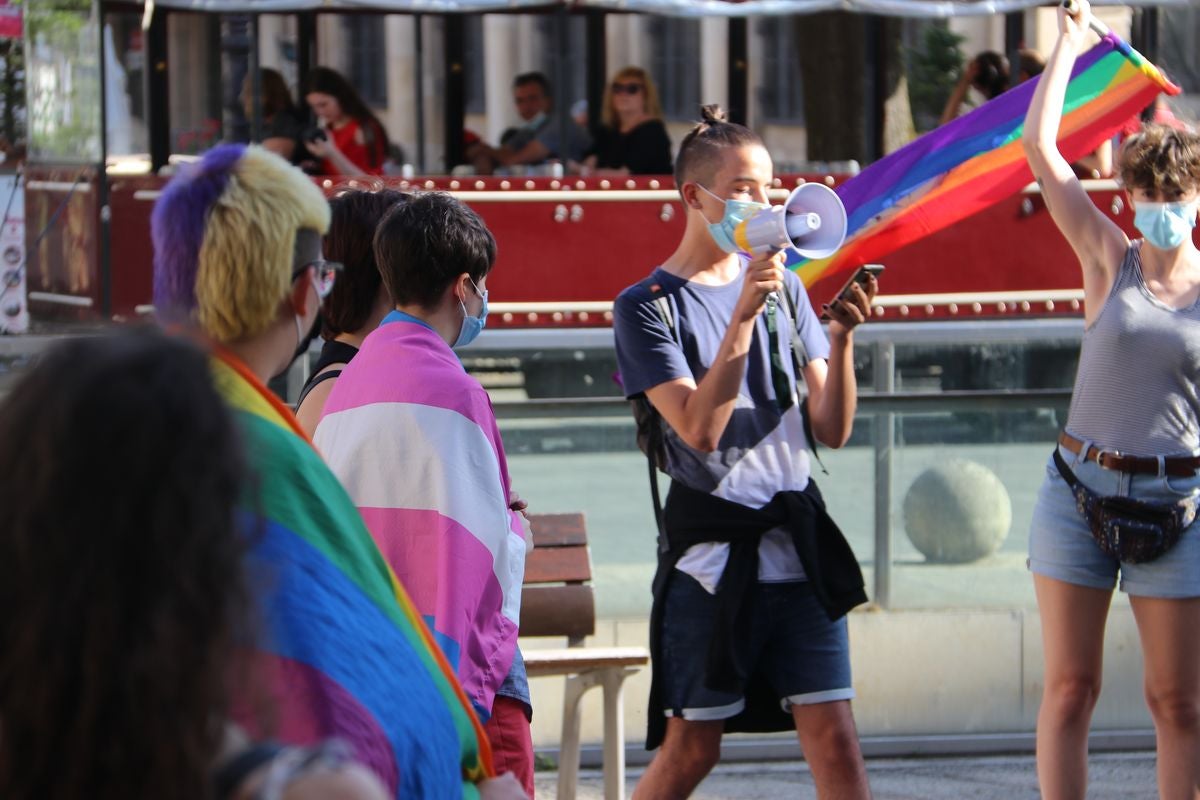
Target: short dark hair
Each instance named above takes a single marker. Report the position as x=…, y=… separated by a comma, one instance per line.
x=700, y=151
x=422, y=245
x=121, y=571
x=354, y=217
x=526, y=78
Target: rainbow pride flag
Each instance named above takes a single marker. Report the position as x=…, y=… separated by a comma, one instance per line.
x=342, y=651
x=967, y=165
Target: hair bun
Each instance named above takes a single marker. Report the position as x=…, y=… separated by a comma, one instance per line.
x=712, y=114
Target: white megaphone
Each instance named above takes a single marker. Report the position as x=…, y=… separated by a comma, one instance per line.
x=812, y=221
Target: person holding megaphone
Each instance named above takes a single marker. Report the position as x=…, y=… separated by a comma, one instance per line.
x=748, y=628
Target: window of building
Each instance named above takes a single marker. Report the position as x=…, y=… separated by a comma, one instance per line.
x=779, y=89
x=675, y=65
x=366, y=57
x=473, y=58
x=575, y=84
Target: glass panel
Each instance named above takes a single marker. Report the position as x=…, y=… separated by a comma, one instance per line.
x=124, y=89
x=675, y=65
x=961, y=507
x=64, y=81
x=780, y=91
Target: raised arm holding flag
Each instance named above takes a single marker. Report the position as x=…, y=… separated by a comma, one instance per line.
x=1120, y=494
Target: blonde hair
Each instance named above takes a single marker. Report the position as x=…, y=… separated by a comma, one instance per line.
x=244, y=268
x=608, y=114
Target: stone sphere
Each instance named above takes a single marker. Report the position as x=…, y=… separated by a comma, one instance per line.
x=957, y=512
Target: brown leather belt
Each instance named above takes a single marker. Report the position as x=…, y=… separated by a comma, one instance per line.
x=1175, y=466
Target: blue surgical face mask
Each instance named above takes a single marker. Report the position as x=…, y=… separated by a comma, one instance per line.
x=1165, y=225
x=736, y=212
x=471, y=326
x=536, y=121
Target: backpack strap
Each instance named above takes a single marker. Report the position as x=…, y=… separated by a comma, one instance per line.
x=662, y=305
x=800, y=360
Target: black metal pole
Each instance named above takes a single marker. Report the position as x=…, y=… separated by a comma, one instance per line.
x=419, y=47
x=739, y=70
x=156, y=87
x=105, y=213
x=874, y=96
x=256, y=118
x=306, y=53
x=1145, y=32
x=1014, y=40
x=560, y=98
x=597, y=67
x=455, y=94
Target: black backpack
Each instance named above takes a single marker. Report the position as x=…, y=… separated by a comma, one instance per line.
x=650, y=437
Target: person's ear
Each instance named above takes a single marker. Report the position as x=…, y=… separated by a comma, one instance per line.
x=691, y=196
x=302, y=287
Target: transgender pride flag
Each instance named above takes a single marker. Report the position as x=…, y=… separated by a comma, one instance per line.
x=413, y=439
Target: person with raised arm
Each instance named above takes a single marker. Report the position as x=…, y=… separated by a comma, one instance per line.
x=1119, y=497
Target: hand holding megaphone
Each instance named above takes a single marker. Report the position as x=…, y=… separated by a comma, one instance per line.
x=812, y=222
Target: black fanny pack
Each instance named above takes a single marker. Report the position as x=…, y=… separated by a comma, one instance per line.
x=1133, y=531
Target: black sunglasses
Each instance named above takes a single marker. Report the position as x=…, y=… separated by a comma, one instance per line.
x=626, y=88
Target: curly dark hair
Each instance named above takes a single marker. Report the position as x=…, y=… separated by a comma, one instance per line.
x=422, y=245
x=700, y=151
x=355, y=215
x=121, y=572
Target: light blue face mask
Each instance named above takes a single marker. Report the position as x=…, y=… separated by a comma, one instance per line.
x=736, y=212
x=1165, y=225
x=471, y=326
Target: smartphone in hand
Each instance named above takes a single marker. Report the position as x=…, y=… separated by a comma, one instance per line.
x=861, y=276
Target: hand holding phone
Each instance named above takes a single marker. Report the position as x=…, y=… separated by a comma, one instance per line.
x=861, y=277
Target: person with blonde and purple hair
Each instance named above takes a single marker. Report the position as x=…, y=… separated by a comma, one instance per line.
x=343, y=653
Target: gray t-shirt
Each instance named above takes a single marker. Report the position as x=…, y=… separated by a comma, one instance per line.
x=1138, y=385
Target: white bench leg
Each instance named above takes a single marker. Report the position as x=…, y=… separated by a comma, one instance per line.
x=613, y=681
x=568, y=753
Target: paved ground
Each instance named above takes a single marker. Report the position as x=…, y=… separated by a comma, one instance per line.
x=1123, y=776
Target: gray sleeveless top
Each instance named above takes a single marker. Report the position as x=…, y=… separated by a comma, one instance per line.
x=1139, y=369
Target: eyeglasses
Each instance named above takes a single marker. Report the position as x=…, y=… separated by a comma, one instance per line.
x=626, y=88
x=326, y=275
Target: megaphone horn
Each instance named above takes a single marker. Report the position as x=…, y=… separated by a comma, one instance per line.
x=812, y=221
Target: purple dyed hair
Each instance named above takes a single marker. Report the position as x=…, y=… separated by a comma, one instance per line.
x=177, y=229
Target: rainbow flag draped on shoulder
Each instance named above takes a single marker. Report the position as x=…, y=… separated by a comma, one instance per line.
x=967, y=165
x=343, y=652
x=414, y=440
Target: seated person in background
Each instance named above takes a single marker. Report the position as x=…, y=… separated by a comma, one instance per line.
x=537, y=139
x=358, y=302
x=987, y=74
x=282, y=122
x=126, y=605
x=343, y=652
x=350, y=140
x=414, y=440
x=1030, y=64
x=633, y=139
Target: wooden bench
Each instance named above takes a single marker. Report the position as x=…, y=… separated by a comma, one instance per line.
x=557, y=601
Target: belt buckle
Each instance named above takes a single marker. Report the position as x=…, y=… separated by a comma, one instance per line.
x=1101, y=454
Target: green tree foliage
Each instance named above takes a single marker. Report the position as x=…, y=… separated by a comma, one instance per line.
x=933, y=69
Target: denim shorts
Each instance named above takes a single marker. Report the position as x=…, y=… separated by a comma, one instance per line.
x=804, y=656
x=1061, y=544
